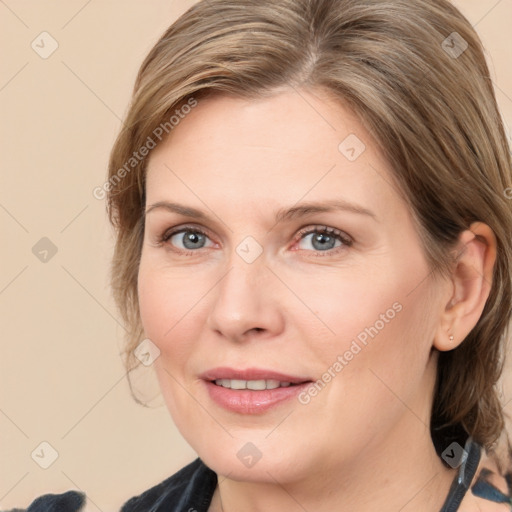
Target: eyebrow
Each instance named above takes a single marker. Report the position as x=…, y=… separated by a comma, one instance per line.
x=282, y=215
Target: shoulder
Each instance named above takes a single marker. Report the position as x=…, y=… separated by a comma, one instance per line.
x=71, y=501
x=491, y=487
x=192, y=487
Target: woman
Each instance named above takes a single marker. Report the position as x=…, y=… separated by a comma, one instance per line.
x=313, y=250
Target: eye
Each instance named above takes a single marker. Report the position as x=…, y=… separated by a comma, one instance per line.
x=187, y=239
x=320, y=239
x=323, y=239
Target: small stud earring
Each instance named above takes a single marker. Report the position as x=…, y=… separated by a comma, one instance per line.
x=451, y=337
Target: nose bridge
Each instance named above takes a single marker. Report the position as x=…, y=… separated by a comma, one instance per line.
x=239, y=287
x=243, y=299
x=247, y=268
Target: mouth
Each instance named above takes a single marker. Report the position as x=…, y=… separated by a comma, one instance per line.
x=252, y=391
x=254, y=385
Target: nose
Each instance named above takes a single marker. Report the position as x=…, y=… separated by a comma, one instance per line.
x=246, y=302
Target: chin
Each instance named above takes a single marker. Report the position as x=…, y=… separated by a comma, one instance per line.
x=243, y=461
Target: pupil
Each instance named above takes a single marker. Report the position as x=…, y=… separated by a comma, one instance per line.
x=324, y=241
x=192, y=240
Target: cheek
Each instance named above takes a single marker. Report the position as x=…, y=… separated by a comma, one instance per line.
x=390, y=349
x=156, y=304
x=352, y=303
x=377, y=319
x=169, y=310
x=379, y=353
x=169, y=304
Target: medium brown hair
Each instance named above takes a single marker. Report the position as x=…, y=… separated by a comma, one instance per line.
x=415, y=74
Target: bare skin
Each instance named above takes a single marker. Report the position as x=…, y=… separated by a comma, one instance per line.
x=363, y=441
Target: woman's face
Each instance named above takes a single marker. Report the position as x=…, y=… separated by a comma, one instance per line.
x=277, y=250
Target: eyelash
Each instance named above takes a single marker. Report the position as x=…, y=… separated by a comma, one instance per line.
x=324, y=230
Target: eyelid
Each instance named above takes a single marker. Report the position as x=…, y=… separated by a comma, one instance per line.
x=346, y=239
x=180, y=229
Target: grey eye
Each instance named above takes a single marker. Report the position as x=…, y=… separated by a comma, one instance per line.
x=189, y=239
x=320, y=241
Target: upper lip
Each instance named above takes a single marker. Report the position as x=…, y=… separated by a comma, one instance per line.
x=251, y=374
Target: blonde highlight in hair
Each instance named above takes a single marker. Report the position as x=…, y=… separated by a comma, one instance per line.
x=434, y=116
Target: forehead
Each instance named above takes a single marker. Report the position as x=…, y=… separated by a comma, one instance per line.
x=296, y=121
x=291, y=146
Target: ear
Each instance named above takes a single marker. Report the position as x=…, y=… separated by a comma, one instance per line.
x=471, y=281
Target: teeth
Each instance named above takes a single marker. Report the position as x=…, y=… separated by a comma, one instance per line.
x=237, y=384
x=258, y=385
x=255, y=385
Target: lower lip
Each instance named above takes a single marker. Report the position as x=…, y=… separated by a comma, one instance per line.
x=246, y=401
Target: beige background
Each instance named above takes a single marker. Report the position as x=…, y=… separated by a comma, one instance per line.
x=61, y=378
